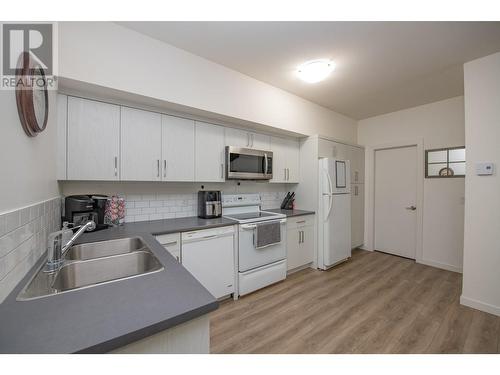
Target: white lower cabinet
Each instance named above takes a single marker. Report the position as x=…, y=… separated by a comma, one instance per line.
x=209, y=256
x=300, y=241
x=171, y=243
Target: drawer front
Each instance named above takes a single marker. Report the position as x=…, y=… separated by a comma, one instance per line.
x=171, y=243
x=260, y=277
x=299, y=221
x=169, y=239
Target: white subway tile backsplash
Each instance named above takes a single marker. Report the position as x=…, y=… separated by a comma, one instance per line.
x=167, y=206
x=155, y=216
x=3, y=229
x=141, y=218
x=23, y=237
x=141, y=204
x=155, y=203
x=12, y=221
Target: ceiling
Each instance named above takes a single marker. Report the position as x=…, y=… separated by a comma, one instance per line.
x=381, y=67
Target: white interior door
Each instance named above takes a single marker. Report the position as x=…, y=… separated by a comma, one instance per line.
x=395, y=201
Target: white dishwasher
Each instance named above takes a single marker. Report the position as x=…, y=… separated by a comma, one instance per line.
x=209, y=256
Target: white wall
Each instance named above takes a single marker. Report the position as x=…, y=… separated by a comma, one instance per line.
x=28, y=165
x=481, y=280
x=439, y=124
x=112, y=56
x=29, y=207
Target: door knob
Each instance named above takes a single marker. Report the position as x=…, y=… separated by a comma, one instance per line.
x=411, y=208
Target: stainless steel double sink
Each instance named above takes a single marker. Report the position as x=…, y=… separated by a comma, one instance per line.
x=90, y=264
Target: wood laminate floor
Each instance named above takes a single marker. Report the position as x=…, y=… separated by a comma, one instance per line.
x=374, y=303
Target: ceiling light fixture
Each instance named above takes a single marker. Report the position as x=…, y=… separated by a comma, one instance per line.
x=315, y=71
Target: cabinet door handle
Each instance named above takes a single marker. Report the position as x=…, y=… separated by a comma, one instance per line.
x=252, y=140
x=248, y=139
x=355, y=190
x=303, y=236
x=301, y=222
x=356, y=176
x=165, y=168
x=288, y=174
x=284, y=171
x=158, y=168
x=116, y=165
x=222, y=171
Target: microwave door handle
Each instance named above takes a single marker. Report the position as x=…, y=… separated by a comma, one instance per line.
x=266, y=163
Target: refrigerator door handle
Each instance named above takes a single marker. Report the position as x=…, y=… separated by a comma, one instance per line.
x=329, y=194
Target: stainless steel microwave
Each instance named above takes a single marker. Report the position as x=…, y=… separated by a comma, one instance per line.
x=248, y=164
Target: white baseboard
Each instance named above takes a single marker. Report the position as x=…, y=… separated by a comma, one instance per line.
x=475, y=304
x=443, y=266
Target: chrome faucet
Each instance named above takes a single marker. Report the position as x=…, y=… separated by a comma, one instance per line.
x=57, y=250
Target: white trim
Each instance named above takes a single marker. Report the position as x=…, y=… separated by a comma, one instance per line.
x=370, y=191
x=444, y=266
x=478, y=305
x=336, y=140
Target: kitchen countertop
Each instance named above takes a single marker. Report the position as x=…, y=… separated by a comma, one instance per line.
x=108, y=316
x=184, y=224
x=291, y=213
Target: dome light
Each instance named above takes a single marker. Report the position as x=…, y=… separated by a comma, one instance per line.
x=315, y=71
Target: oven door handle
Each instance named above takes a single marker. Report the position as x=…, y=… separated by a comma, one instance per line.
x=253, y=226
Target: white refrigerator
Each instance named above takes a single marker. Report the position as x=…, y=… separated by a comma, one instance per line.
x=334, y=222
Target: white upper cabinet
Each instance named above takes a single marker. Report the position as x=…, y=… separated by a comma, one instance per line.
x=178, y=149
x=244, y=139
x=260, y=141
x=237, y=138
x=209, y=151
x=93, y=140
x=140, y=145
x=330, y=149
x=357, y=157
x=285, y=160
x=293, y=161
x=62, y=128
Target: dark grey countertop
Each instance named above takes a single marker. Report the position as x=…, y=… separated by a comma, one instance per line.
x=108, y=316
x=292, y=213
x=184, y=224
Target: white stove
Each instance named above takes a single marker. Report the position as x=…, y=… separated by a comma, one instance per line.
x=246, y=208
x=257, y=267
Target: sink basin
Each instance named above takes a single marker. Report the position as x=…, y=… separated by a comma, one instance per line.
x=101, y=249
x=101, y=270
x=88, y=265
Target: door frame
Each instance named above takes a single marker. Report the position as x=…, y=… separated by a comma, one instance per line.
x=370, y=192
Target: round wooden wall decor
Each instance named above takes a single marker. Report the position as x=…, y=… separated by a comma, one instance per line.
x=31, y=95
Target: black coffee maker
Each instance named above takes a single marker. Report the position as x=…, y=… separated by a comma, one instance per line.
x=78, y=209
x=209, y=204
